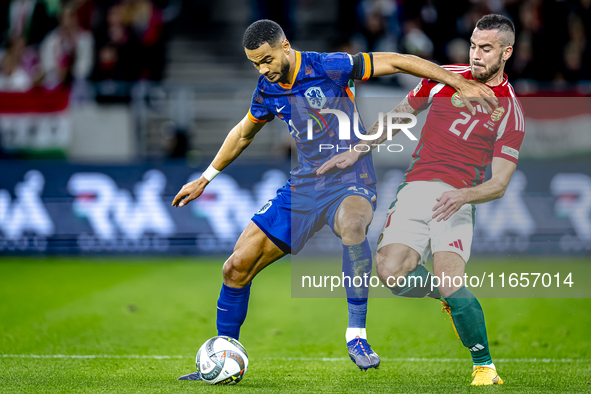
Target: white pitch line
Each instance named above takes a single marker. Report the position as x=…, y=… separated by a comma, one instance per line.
x=439, y=360
x=324, y=359
x=124, y=356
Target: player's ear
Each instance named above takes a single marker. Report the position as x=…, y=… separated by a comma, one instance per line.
x=286, y=46
x=507, y=52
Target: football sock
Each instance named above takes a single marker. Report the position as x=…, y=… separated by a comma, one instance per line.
x=357, y=263
x=468, y=319
x=353, y=333
x=417, y=284
x=231, y=311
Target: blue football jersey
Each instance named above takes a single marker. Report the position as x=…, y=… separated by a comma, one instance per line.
x=320, y=81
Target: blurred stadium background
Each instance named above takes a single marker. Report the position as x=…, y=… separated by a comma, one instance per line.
x=108, y=107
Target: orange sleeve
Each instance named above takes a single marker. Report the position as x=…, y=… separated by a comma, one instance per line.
x=367, y=67
x=255, y=120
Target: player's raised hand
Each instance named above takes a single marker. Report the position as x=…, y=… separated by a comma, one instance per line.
x=448, y=204
x=189, y=192
x=341, y=161
x=475, y=91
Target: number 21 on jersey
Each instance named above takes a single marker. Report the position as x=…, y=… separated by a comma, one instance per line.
x=463, y=122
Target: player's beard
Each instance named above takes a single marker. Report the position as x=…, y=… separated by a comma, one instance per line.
x=284, y=71
x=486, y=75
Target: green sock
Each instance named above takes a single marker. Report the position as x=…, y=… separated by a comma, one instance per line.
x=417, y=284
x=468, y=319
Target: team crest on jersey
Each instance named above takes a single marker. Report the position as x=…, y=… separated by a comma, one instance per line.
x=316, y=97
x=456, y=101
x=497, y=114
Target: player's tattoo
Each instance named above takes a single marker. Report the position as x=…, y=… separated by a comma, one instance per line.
x=403, y=107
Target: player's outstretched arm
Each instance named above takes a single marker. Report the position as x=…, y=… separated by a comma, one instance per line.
x=237, y=140
x=386, y=63
x=495, y=187
x=349, y=158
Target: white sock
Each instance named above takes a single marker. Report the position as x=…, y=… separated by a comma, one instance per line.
x=491, y=365
x=353, y=333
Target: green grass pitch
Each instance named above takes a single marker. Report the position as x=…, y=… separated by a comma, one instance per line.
x=139, y=324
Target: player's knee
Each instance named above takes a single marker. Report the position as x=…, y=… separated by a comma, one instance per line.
x=390, y=267
x=235, y=271
x=384, y=266
x=353, y=228
x=383, y=271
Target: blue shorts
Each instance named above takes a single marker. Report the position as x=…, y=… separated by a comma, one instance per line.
x=293, y=217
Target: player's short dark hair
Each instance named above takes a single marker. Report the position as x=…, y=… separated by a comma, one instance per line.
x=260, y=32
x=500, y=23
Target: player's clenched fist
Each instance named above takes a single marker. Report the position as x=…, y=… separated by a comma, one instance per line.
x=189, y=192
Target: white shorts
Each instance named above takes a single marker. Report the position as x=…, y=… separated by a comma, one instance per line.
x=409, y=222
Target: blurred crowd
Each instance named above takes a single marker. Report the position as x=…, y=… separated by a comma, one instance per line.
x=88, y=44
x=553, y=37
x=51, y=43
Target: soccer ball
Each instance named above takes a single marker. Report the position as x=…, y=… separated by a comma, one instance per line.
x=222, y=360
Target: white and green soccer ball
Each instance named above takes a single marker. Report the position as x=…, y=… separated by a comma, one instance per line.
x=222, y=360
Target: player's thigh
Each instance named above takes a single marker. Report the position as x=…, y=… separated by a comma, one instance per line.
x=354, y=214
x=395, y=260
x=253, y=252
x=406, y=224
x=449, y=267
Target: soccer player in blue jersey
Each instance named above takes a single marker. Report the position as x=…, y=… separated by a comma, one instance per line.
x=343, y=198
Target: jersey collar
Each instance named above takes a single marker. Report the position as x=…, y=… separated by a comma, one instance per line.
x=295, y=71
